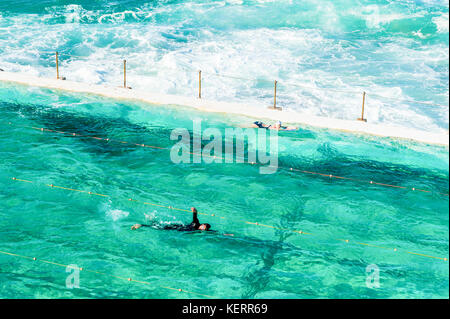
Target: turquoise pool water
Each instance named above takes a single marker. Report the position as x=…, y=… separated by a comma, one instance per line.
x=257, y=262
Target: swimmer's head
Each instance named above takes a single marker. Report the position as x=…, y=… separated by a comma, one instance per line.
x=204, y=227
x=277, y=124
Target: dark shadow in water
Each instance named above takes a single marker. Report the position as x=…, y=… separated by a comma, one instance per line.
x=339, y=164
x=332, y=161
x=258, y=276
x=98, y=126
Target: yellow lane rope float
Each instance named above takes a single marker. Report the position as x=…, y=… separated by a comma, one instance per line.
x=102, y=273
x=300, y=232
x=327, y=175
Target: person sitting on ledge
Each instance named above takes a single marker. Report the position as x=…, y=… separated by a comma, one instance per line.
x=193, y=226
x=277, y=126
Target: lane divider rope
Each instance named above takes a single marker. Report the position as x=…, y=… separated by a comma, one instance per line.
x=327, y=175
x=101, y=273
x=300, y=232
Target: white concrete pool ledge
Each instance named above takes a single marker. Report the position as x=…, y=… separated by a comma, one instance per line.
x=257, y=112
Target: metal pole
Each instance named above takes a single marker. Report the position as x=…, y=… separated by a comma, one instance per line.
x=57, y=65
x=275, y=95
x=199, y=84
x=125, y=73
x=362, y=111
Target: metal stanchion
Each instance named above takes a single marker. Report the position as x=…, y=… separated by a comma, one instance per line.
x=362, y=112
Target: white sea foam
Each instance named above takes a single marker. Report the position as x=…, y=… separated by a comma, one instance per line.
x=400, y=68
x=151, y=216
x=376, y=16
x=441, y=23
x=74, y=13
x=116, y=214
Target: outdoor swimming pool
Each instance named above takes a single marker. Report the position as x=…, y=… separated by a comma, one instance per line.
x=93, y=232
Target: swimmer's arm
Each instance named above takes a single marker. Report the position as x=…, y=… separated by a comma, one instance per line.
x=137, y=226
x=195, y=222
x=284, y=128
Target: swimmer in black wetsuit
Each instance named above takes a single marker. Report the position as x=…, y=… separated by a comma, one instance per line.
x=193, y=226
x=277, y=126
x=260, y=124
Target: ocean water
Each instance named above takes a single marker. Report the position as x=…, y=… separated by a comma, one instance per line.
x=323, y=53
x=398, y=49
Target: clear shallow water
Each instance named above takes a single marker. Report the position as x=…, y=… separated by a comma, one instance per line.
x=94, y=232
x=398, y=49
